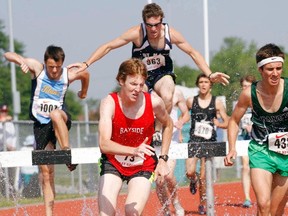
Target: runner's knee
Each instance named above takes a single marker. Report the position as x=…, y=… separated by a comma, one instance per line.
x=131, y=209
x=55, y=115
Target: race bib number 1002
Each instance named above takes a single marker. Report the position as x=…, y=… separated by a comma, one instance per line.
x=45, y=106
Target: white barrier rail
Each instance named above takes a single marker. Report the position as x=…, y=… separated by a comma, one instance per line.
x=92, y=154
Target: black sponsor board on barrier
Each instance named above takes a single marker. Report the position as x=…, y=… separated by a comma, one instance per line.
x=207, y=149
x=41, y=157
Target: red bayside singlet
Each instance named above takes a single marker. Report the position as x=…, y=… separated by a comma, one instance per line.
x=132, y=132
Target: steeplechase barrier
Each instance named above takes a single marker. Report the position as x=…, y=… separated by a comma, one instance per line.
x=92, y=154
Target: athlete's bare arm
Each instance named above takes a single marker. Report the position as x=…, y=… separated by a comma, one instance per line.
x=134, y=35
x=222, y=111
x=182, y=44
x=242, y=105
x=27, y=64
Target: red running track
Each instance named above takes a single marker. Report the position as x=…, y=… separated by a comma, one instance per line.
x=228, y=201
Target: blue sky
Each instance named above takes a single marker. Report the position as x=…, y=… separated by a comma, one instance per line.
x=81, y=26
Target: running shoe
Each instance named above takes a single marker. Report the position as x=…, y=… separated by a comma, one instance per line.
x=71, y=167
x=178, y=209
x=201, y=210
x=167, y=213
x=157, y=138
x=193, y=185
x=247, y=204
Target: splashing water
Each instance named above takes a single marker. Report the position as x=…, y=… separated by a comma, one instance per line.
x=10, y=191
x=170, y=197
x=86, y=210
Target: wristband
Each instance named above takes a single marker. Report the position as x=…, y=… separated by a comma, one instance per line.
x=86, y=64
x=164, y=157
x=209, y=76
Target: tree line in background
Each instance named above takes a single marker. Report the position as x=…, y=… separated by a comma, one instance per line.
x=23, y=82
x=235, y=58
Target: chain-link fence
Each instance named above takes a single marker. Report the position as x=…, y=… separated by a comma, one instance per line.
x=84, y=179
x=81, y=181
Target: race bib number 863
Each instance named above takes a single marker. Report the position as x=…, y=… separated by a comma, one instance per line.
x=154, y=62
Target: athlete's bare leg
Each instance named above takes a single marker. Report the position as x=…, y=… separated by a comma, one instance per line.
x=107, y=196
x=48, y=186
x=263, y=181
x=59, y=119
x=165, y=89
x=202, y=182
x=246, y=182
x=137, y=199
x=191, y=164
x=167, y=191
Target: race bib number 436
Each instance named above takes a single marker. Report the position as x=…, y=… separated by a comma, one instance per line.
x=278, y=142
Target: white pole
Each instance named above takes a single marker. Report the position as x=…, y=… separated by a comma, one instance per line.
x=209, y=165
x=15, y=94
x=206, y=32
x=209, y=187
x=149, y=1
x=86, y=115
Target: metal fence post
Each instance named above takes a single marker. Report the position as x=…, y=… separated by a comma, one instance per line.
x=209, y=187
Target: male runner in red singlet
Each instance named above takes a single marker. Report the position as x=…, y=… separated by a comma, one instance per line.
x=126, y=128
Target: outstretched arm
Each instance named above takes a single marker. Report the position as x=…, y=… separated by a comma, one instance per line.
x=27, y=64
x=181, y=43
x=131, y=35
